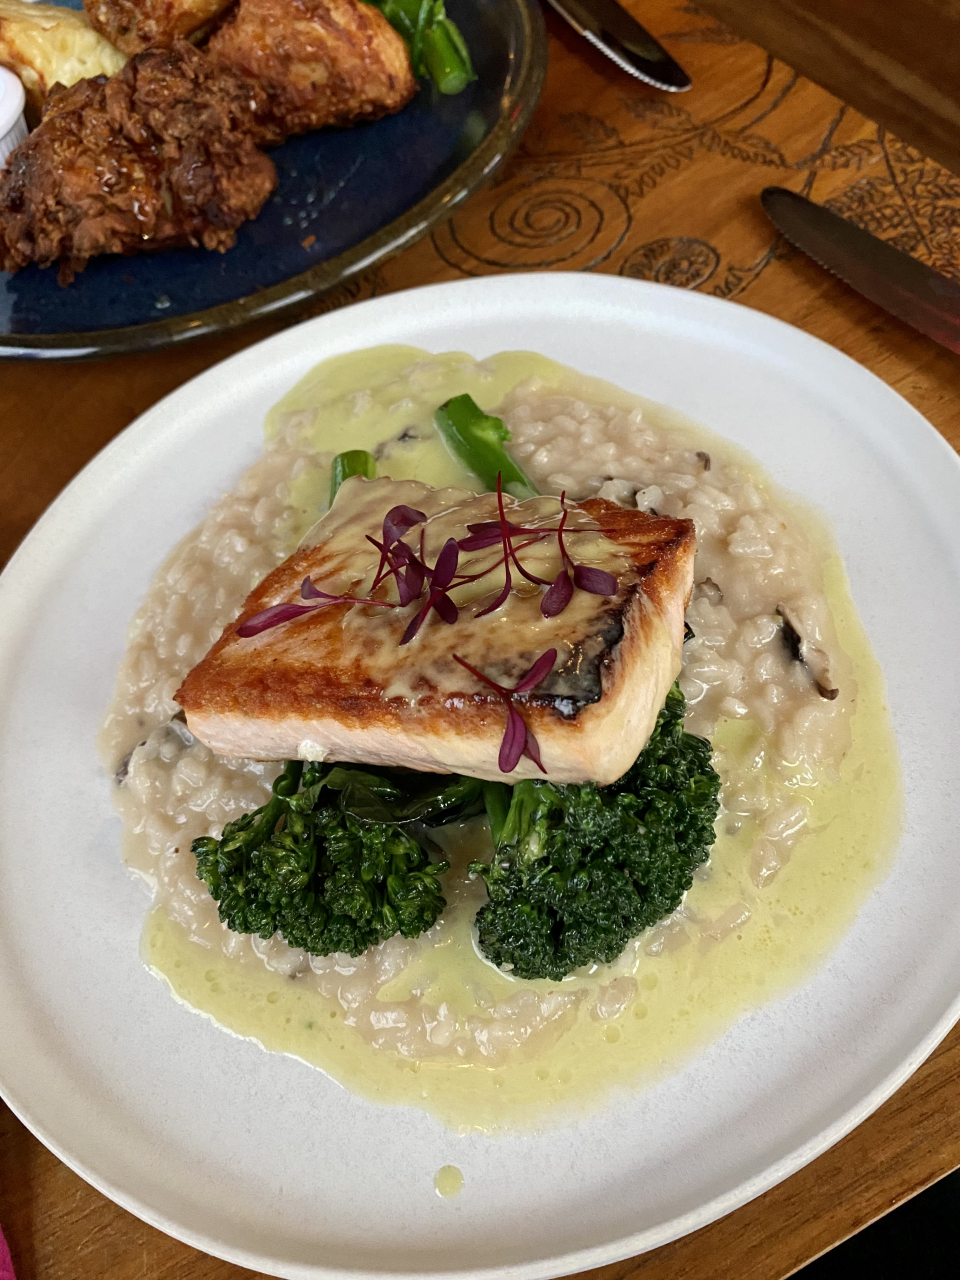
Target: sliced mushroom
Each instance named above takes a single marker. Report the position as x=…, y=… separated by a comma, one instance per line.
x=178, y=725
x=123, y=768
x=387, y=448
x=708, y=590
x=619, y=491
x=704, y=458
x=812, y=656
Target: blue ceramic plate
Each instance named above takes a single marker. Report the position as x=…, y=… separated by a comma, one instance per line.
x=346, y=200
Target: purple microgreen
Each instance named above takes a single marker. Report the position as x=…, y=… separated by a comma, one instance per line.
x=480, y=541
x=396, y=523
x=514, y=740
x=413, y=575
x=537, y=673
x=506, y=533
x=445, y=569
x=518, y=739
x=275, y=616
x=508, y=554
x=531, y=749
x=410, y=583
x=559, y=595
x=399, y=521
x=597, y=581
x=384, y=561
x=489, y=533
x=440, y=576
x=560, y=528
x=445, y=607
x=309, y=591
x=414, y=625
x=498, y=688
x=507, y=588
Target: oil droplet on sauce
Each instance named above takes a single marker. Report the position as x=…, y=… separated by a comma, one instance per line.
x=448, y=1181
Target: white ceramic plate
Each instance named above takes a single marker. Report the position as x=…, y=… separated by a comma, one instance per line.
x=261, y=1159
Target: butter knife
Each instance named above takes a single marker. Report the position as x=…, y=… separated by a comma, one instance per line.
x=908, y=289
x=617, y=33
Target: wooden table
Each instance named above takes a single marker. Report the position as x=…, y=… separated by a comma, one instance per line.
x=610, y=177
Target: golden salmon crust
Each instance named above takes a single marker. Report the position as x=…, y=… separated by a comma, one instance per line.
x=294, y=691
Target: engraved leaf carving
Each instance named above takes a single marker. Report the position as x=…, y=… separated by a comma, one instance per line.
x=659, y=115
x=848, y=155
x=751, y=148
x=640, y=181
x=591, y=129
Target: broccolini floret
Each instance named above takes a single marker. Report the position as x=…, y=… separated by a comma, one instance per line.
x=579, y=870
x=338, y=859
x=339, y=864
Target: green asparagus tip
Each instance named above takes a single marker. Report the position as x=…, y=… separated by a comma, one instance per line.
x=437, y=48
x=478, y=441
x=446, y=57
x=355, y=462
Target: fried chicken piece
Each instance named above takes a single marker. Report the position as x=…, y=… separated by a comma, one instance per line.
x=135, y=25
x=163, y=153
x=321, y=62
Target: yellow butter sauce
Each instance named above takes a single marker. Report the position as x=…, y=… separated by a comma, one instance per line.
x=448, y=1181
x=685, y=995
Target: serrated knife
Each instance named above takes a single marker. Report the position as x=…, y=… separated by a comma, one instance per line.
x=908, y=289
x=620, y=36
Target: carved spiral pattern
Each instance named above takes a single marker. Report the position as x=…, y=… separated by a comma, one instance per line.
x=574, y=223
x=676, y=260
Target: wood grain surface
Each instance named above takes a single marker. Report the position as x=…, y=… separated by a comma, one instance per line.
x=614, y=177
x=894, y=60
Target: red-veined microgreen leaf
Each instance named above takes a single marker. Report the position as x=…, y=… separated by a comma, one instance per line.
x=559, y=595
x=275, y=616
x=514, y=740
x=537, y=673
x=531, y=749
x=399, y=521
x=597, y=581
x=444, y=606
x=518, y=739
x=446, y=566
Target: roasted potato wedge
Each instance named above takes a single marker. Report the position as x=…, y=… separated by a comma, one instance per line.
x=133, y=25
x=43, y=44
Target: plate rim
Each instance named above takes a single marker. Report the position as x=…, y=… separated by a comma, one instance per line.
x=34, y=547
x=521, y=96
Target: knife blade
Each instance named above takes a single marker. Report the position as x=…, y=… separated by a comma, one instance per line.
x=909, y=289
x=620, y=36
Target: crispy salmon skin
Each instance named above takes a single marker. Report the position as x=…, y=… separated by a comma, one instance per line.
x=335, y=682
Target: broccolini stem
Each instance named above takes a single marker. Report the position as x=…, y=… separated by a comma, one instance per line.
x=446, y=56
x=436, y=47
x=477, y=439
x=289, y=780
x=497, y=797
x=355, y=462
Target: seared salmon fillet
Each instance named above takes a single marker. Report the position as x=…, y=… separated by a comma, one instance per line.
x=328, y=662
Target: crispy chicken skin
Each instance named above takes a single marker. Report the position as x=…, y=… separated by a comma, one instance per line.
x=134, y=25
x=162, y=153
x=314, y=688
x=322, y=62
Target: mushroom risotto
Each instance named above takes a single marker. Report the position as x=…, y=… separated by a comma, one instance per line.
x=776, y=673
